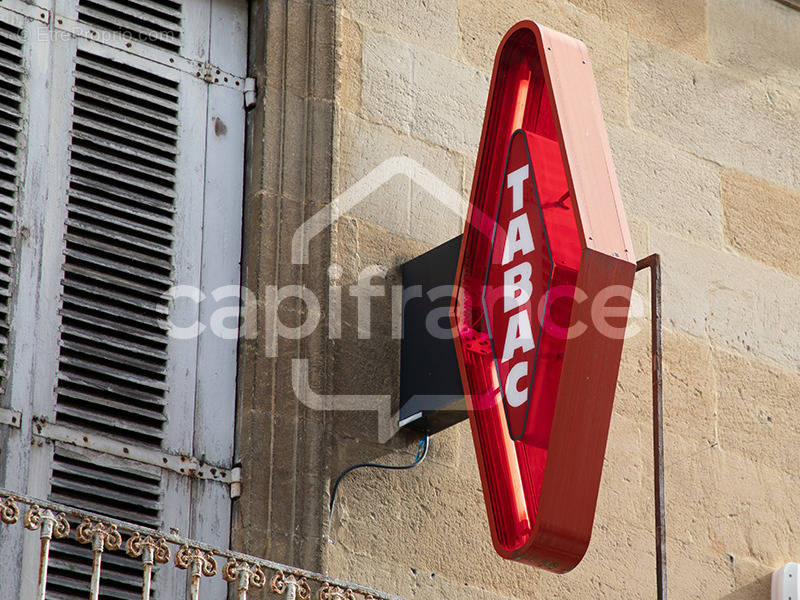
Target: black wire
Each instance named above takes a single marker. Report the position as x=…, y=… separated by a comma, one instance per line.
x=422, y=452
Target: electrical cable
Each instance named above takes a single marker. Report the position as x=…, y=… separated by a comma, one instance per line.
x=422, y=452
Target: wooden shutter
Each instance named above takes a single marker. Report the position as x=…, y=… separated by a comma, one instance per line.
x=11, y=123
x=159, y=21
x=118, y=264
x=141, y=190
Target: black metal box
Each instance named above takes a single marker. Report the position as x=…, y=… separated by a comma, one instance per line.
x=431, y=394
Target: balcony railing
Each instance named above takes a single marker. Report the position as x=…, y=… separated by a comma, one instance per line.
x=199, y=560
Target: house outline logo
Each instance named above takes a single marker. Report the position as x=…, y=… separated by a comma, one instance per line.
x=325, y=218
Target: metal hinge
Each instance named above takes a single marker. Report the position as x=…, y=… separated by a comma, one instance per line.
x=250, y=93
x=188, y=466
x=236, y=482
x=213, y=75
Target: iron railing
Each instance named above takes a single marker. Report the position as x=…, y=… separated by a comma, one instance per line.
x=199, y=560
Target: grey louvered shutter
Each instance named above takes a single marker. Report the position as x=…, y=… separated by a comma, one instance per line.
x=11, y=138
x=23, y=125
x=134, y=206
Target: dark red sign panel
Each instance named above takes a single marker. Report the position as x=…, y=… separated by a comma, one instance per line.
x=541, y=297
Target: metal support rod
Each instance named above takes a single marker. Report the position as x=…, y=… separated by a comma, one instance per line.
x=147, y=571
x=242, y=584
x=44, y=553
x=194, y=588
x=653, y=262
x=97, y=557
x=49, y=524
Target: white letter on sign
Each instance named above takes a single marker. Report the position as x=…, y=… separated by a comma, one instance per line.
x=519, y=335
x=514, y=396
x=518, y=287
x=518, y=238
x=515, y=179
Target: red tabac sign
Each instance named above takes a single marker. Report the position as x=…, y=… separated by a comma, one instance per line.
x=541, y=297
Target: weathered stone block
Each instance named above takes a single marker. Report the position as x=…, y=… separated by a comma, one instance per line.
x=760, y=37
x=450, y=101
x=750, y=126
x=729, y=504
x=679, y=24
x=695, y=572
x=752, y=579
x=431, y=25
x=387, y=92
x=762, y=220
x=666, y=187
x=400, y=204
x=483, y=25
x=350, y=67
x=618, y=564
x=758, y=409
x=737, y=303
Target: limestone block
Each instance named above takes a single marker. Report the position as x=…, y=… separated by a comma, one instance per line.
x=737, y=303
x=387, y=92
x=667, y=187
x=350, y=65
x=762, y=220
x=760, y=37
x=400, y=204
x=483, y=24
x=758, y=409
x=750, y=126
x=431, y=25
x=679, y=24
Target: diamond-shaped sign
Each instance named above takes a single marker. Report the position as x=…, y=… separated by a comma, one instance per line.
x=541, y=297
x=518, y=277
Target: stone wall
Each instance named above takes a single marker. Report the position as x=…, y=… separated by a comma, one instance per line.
x=702, y=104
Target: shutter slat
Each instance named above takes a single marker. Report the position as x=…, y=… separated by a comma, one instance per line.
x=127, y=122
x=118, y=268
x=163, y=121
x=130, y=18
x=127, y=10
x=142, y=186
x=107, y=352
x=91, y=400
x=131, y=95
x=122, y=378
x=113, y=426
x=113, y=388
x=112, y=310
x=128, y=222
x=159, y=207
x=10, y=79
x=118, y=73
x=115, y=240
x=112, y=161
x=120, y=145
x=11, y=117
x=114, y=328
x=123, y=135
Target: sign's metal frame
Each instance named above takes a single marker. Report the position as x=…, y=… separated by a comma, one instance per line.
x=562, y=513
